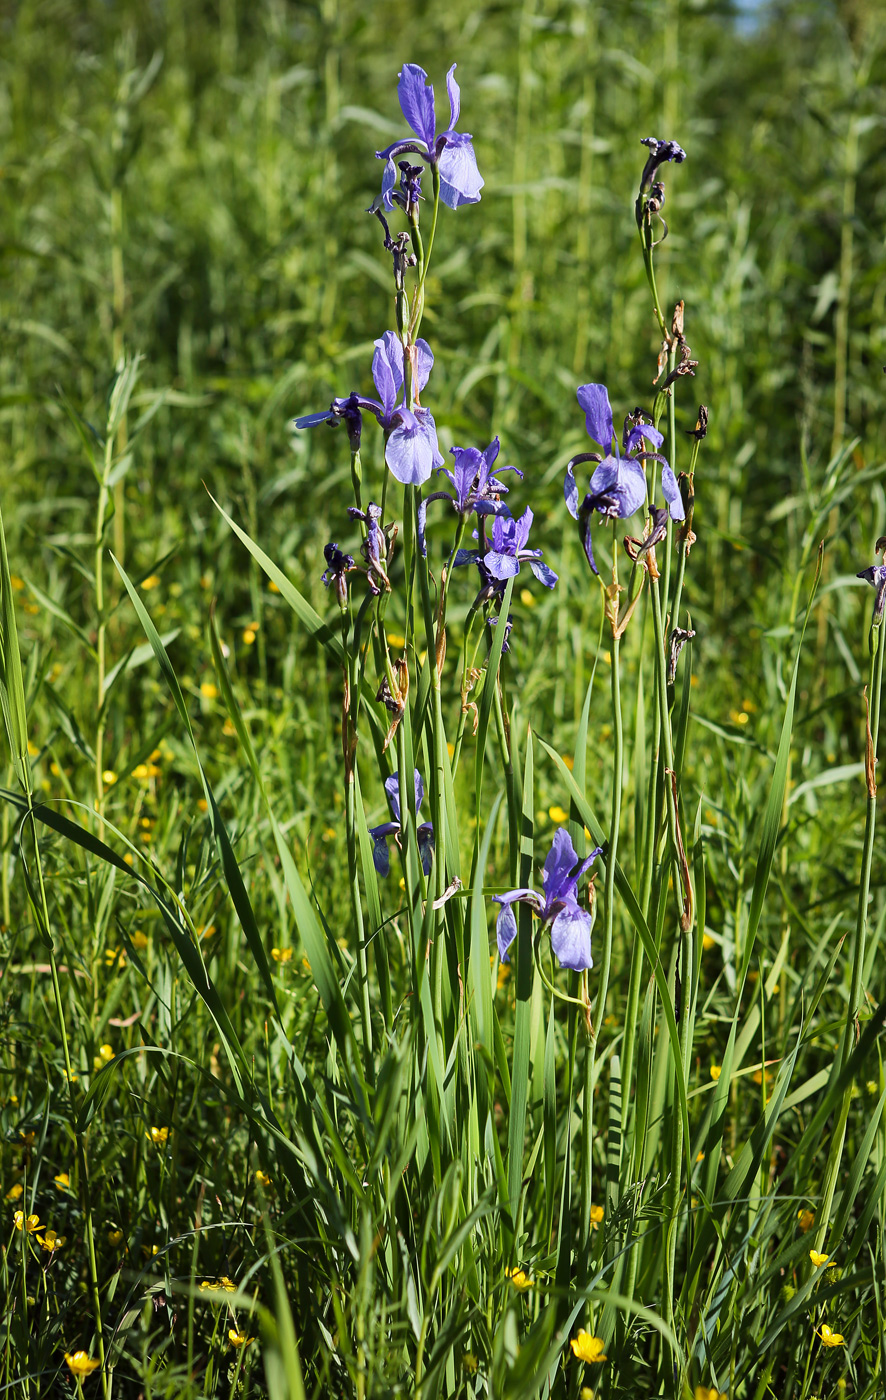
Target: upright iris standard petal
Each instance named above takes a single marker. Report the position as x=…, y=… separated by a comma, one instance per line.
x=454, y=93
x=387, y=370
x=424, y=363
x=671, y=492
x=594, y=399
x=417, y=102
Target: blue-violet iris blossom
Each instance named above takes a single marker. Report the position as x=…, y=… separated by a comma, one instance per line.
x=476, y=489
x=380, y=854
x=570, y=924
x=876, y=575
x=618, y=486
x=508, y=551
x=451, y=152
x=411, y=449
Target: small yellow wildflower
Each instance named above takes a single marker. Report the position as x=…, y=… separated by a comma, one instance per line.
x=586, y=1393
x=527, y=598
x=829, y=1338
x=450, y=749
x=272, y=587
x=129, y=858
x=818, y=1259
x=228, y=1284
x=79, y=1364
x=209, y=1287
x=202, y=804
x=29, y=1223
x=151, y=581
x=114, y=957
x=17, y=583
x=62, y=1181
x=597, y=1214
x=469, y=1363
x=329, y=833
x=27, y=1137
x=209, y=690
x=588, y=1348
x=805, y=1220
x=395, y=640
x=281, y=955
x=708, y=941
x=139, y=940
x=239, y=1339
x=149, y=1250
x=51, y=1242
x=558, y=814
x=206, y=931
x=569, y=761
x=71, y=1078
x=158, y=1136
x=702, y=1392
x=519, y=1279
x=109, y=777
x=738, y=716
x=262, y=1178
x=228, y=729
x=15, y=1192
x=106, y=1052
x=716, y=1071
x=115, y=1236
x=699, y=1156
x=145, y=771
x=501, y=977
x=249, y=635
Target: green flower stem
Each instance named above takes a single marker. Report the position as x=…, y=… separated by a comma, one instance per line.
x=683, y=546
x=101, y=625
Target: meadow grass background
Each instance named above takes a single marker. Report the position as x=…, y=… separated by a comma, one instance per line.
x=187, y=183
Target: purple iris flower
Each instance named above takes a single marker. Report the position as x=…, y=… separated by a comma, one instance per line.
x=451, y=152
x=381, y=858
x=570, y=924
x=618, y=486
x=411, y=449
x=476, y=489
x=337, y=565
x=508, y=551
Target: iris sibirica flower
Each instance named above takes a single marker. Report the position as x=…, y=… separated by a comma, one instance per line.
x=451, y=152
x=508, y=551
x=570, y=925
x=618, y=486
x=411, y=449
x=475, y=487
x=380, y=855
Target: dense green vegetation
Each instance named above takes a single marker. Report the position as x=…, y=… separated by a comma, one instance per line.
x=290, y=1162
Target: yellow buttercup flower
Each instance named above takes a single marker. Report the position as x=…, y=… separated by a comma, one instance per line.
x=588, y=1348
x=62, y=1181
x=151, y=581
x=818, y=1259
x=80, y=1364
x=239, y=1339
x=158, y=1136
x=262, y=1178
x=469, y=1363
x=597, y=1214
x=51, y=1242
x=209, y=691
x=703, y=1392
x=519, y=1279
x=29, y=1223
x=805, y=1220
x=558, y=814
x=115, y=1236
x=15, y=1192
x=281, y=955
x=228, y=1284
x=716, y=1071
x=829, y=1338
x=139, y=941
